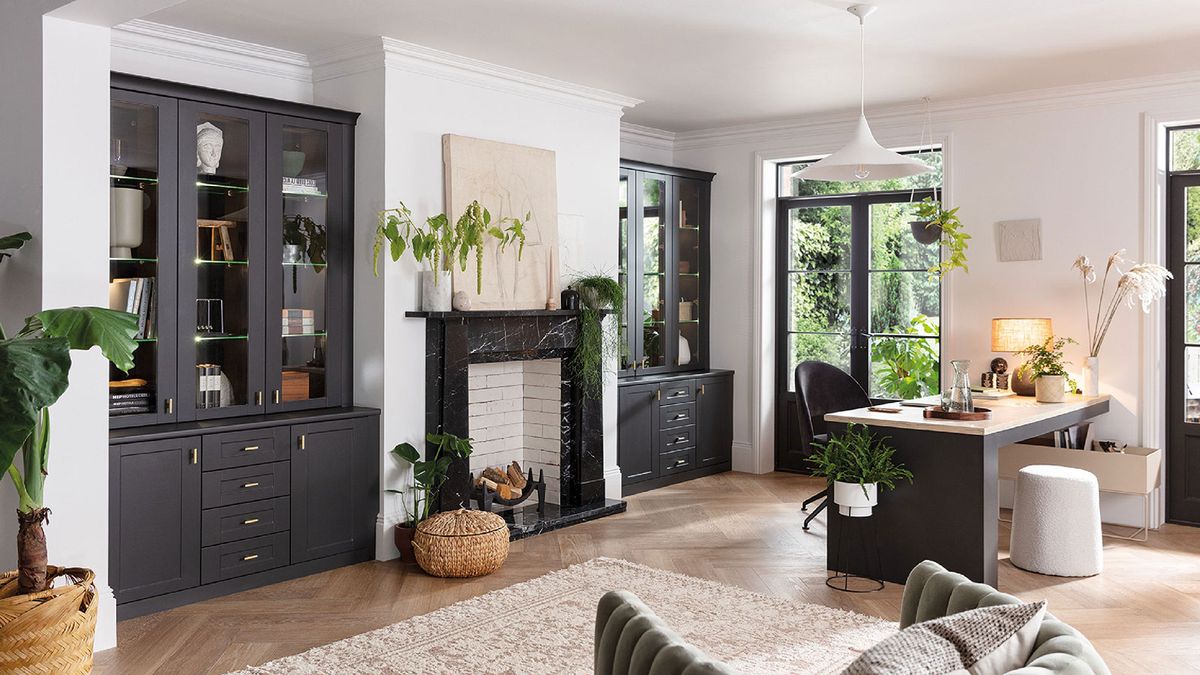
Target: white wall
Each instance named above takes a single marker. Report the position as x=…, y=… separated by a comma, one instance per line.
x=1074, y=158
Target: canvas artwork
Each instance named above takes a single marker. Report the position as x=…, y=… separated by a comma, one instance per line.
x=1019, y=240
x=509, y=181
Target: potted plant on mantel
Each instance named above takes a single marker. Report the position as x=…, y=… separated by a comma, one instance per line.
x=857, y=463
x=1047, y=368
x=40, y=625
x=598, y=294
x=438, y=244
x=428, y=477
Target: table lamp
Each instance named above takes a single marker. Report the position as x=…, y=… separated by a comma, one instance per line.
x=1013, y=335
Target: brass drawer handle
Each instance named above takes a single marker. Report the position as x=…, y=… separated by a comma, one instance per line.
x=679, y=439
x=249, y=485
x=680, y=462
x=252, y=556
x=250, y=521
x=680, y=416
x=250, y=448
x=678, y=393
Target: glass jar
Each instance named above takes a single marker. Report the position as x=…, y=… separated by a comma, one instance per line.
x=958, y=397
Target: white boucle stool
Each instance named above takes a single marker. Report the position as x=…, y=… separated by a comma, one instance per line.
x=1056, y=522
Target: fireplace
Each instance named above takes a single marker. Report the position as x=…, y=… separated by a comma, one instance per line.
x=530, y=349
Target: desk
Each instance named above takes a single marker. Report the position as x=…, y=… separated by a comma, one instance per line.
x=949, y=512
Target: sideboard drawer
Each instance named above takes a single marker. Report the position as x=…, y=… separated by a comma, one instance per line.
x=240, y=558
x=670, y=440
x=246, y=448
x=679, y=391
x=674, y=462
x=244, y=484
x=671, y=416
x=243, y=521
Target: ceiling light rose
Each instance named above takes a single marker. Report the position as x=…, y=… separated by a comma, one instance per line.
x=863, y=157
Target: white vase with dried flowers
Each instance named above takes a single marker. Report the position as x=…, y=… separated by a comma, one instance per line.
x=1142, y=283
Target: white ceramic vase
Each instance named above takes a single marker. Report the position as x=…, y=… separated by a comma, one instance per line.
x=685, y=351
x=125, y=221
x=851, y=499
x=437, y=291
x=1091, y=376
x=1050, y=388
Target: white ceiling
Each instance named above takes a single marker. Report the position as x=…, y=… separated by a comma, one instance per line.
x=706, y=63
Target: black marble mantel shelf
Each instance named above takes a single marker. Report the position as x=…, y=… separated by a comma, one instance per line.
x=496, y=313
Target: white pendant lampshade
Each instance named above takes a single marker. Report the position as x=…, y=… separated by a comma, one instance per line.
x=863, y=158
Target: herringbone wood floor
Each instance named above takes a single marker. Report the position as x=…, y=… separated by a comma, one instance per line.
x=1143, y=612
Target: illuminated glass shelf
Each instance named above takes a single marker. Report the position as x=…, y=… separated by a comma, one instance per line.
x=201, y=261
x=295, y=335
x=305, y=264
x=218, y=338
x=134, y=260
x=318, y=195
x=133, y=179
x=221, y=187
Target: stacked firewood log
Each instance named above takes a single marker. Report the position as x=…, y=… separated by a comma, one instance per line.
x=508, y=482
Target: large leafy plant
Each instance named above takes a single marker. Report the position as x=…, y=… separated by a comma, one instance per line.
x=428, y=474
x=34, y=368
x=908, y=368
x=858, y=456
x=439, y=244
x=598, y=294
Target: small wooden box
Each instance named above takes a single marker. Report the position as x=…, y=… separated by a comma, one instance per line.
x=295, y=385
x=1136, y=471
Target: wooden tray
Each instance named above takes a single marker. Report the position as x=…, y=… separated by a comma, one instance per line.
x=938, y=413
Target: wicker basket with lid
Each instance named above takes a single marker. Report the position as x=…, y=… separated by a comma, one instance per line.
x=461, y=543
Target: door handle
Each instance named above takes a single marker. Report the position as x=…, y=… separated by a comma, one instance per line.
x=277, y=396
x=701, y=390
x=658, y=395
x=258, y=398
x=195, y=455
x=300, y=441
x=170, y=405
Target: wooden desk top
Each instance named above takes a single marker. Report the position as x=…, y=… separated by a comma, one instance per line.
x=1007, y=413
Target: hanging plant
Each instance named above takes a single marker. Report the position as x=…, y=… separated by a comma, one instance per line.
x=598, y=294
x=933, y=217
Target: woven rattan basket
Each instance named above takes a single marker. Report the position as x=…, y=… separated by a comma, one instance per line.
x=461, y=543
x=50, y=631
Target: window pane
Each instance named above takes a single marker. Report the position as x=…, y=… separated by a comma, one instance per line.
x=893, y=246
x=819, y=301
x=1191, y=378
x=904, y=367
x=789, y=186
x=1185, y=150
x=1191, y=300
x=834, y=349
x=902, y=301
x=1192, y=218
x=819, y=238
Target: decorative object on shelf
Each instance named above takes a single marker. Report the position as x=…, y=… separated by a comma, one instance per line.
x=685, y=267
x=125, y=206
x=299, y=321
x=209, y=142
x=293, y=254
x=857, y=462
x=1143, y=283
x=1013, y=335
x=1047, y=369
x=685, y=351
x=295, y=385
x=208, y=386
x=210, y=316
x=958, y=397
x=461, y=302
x=300, y=186
x=438, y=245
x=420, y=501
x=1019, y=240
x=552, y=281
x=461, y=544
x=949, y=228
x=307, y=234
x=293, y=163
x=116, y=157
x=570, y=299
x=687, y=310
x=997, y=377
x=504, y=178
x=598, y=294
x=220, y=244
x=862, y=157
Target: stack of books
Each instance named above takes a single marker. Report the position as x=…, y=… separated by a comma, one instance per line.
x=300, y=186
x=130, y=397
x=135, y=296
x=299, y=322
x=208, y=394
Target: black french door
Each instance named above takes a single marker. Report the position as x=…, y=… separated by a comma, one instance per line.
x=1183, y=349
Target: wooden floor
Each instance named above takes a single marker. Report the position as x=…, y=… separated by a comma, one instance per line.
x=1143, y=612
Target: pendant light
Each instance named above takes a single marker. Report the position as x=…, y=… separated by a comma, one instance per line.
x=863, y=157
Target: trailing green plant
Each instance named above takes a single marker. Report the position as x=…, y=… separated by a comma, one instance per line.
x=1046, y=358
x=428, y=474
x=906, y=367
x=858, y=456
x=34, y=368
x=439, y=244
x=309, y=235
x=598, y=294
x=953, y=238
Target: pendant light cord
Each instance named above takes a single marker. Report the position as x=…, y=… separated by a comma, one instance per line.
x=862, y=66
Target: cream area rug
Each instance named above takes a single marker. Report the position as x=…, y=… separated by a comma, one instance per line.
x=545, y=625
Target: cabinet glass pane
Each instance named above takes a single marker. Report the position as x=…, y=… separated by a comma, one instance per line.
x=305, y=263
x=134, y=252
x=623, y=252
x=1191, y=383
x=222, y=238
x=687, y=267
x=654, y=265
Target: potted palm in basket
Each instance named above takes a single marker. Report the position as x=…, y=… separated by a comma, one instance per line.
x=857, y=462
x=44, y=628
x=428, y=477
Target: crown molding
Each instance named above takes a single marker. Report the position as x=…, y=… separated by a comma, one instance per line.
x=1109, y=92
x=180, y=43
x=648, y=137
x=414, y=58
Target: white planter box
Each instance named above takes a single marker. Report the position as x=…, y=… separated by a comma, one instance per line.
x=1136, y=471
x=852, y=502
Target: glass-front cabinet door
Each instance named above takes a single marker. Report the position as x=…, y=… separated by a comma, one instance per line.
x=303, y=214
x=654, y=211
x=626, y=266
x=142, y=254
x=691, y=198
x=222, y=232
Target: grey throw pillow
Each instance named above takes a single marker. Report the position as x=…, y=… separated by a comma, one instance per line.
x=985, y=641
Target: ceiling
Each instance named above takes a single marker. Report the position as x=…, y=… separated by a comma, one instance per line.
x=707, y=63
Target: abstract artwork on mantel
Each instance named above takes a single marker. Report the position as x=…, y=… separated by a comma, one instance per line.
x=1018, y=240
x=509, y=181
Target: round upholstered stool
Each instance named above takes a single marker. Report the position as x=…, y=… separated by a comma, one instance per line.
x=1056, y=522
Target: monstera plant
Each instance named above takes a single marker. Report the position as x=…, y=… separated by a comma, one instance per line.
x=34, y=367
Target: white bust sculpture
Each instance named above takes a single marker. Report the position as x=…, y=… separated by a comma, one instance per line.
x=209, y=141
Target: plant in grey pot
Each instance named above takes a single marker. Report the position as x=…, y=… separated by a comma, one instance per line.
x=935, y=223
x=428, y=475
x=857, y=462
x=1047, y=367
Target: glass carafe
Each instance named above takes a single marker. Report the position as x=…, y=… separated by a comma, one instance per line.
x=958, y=397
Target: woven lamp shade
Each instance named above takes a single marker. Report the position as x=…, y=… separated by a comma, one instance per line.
x=1013, y=335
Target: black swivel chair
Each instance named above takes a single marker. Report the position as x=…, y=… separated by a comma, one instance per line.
x=822, y=389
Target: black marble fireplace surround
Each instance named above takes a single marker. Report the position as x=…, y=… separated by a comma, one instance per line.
x=453, y=341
